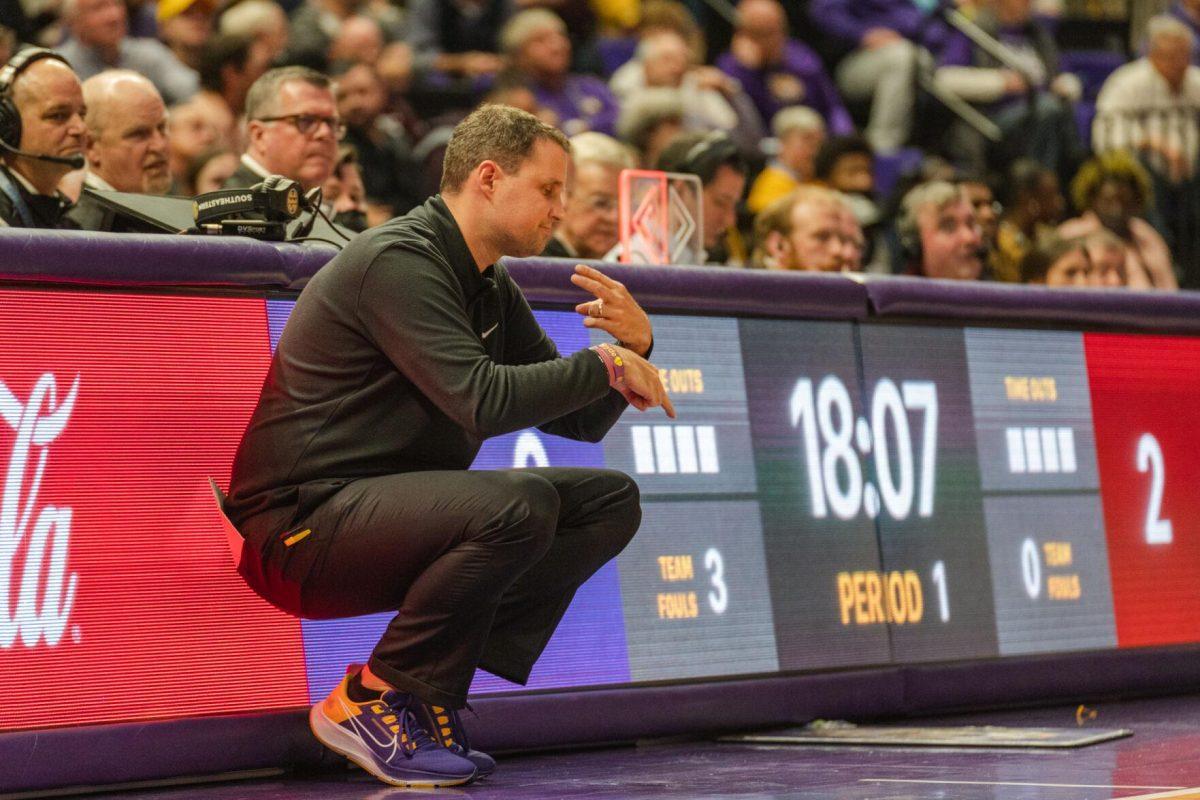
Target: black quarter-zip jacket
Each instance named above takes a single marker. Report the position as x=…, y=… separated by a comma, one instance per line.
x=399, y=356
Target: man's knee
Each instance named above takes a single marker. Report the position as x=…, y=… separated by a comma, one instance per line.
x=529, y=514
x=624, y=507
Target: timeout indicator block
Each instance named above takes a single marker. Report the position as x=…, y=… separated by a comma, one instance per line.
x=694, y=590
x=707, y=449
x=1033, y=410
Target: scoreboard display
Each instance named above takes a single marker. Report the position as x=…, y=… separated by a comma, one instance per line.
x=832, y=494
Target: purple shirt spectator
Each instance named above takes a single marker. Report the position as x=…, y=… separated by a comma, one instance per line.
x=798, y=78
x=582, y=103
x=849, y=20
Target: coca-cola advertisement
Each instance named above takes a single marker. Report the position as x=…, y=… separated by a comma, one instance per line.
x=117, y=588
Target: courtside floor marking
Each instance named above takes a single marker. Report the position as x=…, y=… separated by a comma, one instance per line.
x=1182, y=794
x=1171, y=794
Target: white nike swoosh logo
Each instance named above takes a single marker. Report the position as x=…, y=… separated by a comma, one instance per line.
x=365, y=733
x=488, y=332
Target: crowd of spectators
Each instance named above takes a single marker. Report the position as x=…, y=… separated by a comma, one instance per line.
x=832, y=135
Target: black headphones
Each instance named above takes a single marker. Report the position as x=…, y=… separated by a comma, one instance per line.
x=910, y=239
x=10, y=116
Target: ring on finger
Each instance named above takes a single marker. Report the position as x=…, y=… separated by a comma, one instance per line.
x=598, y=309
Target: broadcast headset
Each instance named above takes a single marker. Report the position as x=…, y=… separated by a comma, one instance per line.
x=10, y=116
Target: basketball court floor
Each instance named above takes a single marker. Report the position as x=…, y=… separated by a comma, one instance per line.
x=1160, y=760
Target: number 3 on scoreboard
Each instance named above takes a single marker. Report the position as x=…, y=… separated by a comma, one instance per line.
x=1150, y=457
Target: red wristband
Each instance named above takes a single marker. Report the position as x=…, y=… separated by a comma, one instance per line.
x=613, y=363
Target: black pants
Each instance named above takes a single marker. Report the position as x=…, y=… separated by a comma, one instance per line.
x=480, y=565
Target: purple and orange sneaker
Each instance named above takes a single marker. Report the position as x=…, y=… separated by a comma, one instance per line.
x=386, y=737
x=446, y=728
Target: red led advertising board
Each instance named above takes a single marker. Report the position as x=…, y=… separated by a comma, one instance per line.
x=1146, y=415
x=118, y=596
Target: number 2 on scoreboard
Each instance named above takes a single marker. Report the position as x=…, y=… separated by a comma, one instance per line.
x=1150, y=458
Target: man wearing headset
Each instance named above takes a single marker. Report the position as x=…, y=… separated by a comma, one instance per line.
x=716, y=160
x=939, y=233
x=42, y=136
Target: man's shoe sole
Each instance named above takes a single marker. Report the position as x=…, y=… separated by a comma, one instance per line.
x=344, y=743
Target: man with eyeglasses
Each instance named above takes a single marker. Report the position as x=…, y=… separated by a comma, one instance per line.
x=292, y=129
x=589, y=227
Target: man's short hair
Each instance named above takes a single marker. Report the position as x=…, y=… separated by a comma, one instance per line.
x=525, y=24
x=837, y=148
x=645, y=110
x=502, y=134
x=702, y=154
x=651, y=43
x=592, y=147
x=247, y=18
x=222, y=50
x=264, y=92
x=934, y=194
x=796, y=118
x=1165, y=26
x=777, y=216
x=96, y=89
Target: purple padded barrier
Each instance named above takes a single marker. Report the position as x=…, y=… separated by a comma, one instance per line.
x=972, y=301
x=136, y=260
x=108, y=754
x=744, y=292
x=1062, y=677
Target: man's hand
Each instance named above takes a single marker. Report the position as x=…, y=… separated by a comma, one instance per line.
x=643, y=387
x=614, y=310
x=876, y=38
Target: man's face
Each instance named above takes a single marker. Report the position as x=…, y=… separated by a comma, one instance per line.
x=1171, y=56
x=1013, y=12
x=590, y=221
x=853, y=242
x=815, y=243
x=191, y=131
x=852, y=174
x=344, y=191
x=360, y=97
x=129, y=150
x=1072, y=269
x=721, y=196
x=50, y=100
x=1051, y=204
x=189, y=29
x=546, y=53
x=984, y=203
x=304, y=156
x=212, y=175
x=765, y=24
x=528, y=202
x=99, y=23
x=670, y=61
x=950, y=241
x=798, y=148
x=1114, y=203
